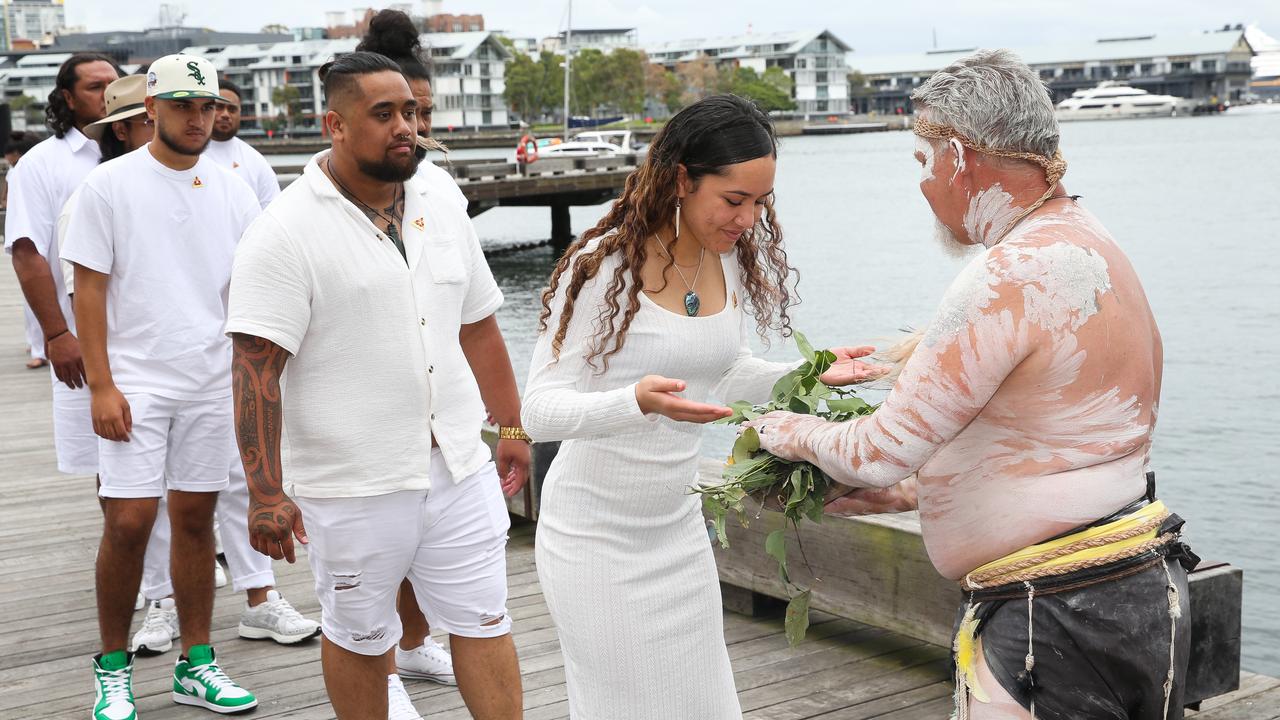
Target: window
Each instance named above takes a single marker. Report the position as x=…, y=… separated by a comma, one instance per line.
x=822, y=78
x=1148, y=68
x=1180, y=66
x=1046, y=74
x=1209, y=65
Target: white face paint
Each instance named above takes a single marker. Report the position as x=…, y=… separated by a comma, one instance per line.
x=990, y=211
x=925, y=148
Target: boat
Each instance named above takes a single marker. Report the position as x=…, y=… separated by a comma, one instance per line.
x=1112, y=100
x=593, y=143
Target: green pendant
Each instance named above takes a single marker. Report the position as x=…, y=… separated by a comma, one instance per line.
x=692, y=303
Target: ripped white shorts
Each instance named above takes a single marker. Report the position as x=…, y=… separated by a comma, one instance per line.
x=450, y=542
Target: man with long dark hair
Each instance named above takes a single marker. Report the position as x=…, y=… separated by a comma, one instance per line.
x=152, y=236
x=50, y=173
x=358, y=260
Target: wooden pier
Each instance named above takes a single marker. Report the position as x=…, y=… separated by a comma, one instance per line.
x=49, y=531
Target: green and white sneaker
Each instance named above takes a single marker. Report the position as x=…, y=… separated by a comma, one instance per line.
x=113, y=676
x=198, y=681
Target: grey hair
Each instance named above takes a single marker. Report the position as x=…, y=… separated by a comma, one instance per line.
x=995, y=100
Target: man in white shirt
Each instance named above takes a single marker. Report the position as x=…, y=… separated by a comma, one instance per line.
x=153, y=236
x=376, y=292
x=267, y=614
x=235, y=154
x=50, y=173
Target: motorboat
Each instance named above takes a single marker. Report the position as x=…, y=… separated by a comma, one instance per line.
x=1112, y=100
x=593, y=143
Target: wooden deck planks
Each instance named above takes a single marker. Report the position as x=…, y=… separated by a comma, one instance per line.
x=49, y=530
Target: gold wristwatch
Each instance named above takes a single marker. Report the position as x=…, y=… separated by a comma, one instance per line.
x=513, y=433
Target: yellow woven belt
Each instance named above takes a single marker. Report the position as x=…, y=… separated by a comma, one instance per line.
x=1127, y=537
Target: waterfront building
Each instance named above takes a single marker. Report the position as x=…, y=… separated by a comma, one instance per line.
x=1203, y=66
x=34, y=21
x=814, y=60
x=467, y=78
x=446, y=23
x=143, y=46
x=606, y=40
x=1266, y=64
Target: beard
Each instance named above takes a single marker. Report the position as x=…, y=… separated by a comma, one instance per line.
x=221, y=136
x=387, y=170
x=177, y=147
x=951, y=244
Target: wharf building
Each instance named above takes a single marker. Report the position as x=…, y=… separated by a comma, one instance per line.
x=467, y=78
x=814, y=60
x=1211, y=67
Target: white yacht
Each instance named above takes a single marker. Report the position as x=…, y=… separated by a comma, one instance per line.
x=1113, y=100
x=591, y=143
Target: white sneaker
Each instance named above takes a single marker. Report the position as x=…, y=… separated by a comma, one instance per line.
x=219, y=575
x=159, y=629
x=278, y=620
x=139, y=602
x=399, y=706
x=429, y=662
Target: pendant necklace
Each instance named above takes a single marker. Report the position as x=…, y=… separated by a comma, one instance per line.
x=692, y=303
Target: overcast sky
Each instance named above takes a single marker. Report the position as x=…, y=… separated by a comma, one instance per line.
x=870, y=28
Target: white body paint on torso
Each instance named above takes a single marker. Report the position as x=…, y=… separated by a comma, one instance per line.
x=1029, y=406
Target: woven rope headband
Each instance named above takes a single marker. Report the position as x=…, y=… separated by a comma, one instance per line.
x=1054, y=167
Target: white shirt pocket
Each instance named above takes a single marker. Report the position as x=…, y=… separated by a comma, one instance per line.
x=443, y=261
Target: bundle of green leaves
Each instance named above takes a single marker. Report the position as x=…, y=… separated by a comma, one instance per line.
x=796, y=489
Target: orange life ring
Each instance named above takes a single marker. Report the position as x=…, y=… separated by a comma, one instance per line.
x=527, y=150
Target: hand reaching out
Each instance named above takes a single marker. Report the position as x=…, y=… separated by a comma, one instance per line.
x=848, y=370
x=657, y=394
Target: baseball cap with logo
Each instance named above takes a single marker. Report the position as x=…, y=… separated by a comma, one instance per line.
x=124, y=99
x=178, y=77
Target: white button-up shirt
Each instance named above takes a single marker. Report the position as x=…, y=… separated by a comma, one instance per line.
x=51, y=171
x=377, y=368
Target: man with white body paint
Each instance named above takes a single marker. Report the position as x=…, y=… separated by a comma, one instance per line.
x=1021, y=426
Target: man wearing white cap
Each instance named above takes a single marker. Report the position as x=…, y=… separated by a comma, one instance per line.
x=152, y=237
x=267, y=615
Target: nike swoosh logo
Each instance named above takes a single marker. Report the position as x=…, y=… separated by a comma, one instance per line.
x=192, y=687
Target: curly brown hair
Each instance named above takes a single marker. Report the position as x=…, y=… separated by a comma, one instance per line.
x=705, y=137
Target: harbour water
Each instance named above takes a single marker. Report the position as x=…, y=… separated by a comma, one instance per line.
x=1196, y=204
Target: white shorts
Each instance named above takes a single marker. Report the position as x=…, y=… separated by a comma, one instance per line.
x=450, y=542
x=175, y=445
x=73, y=437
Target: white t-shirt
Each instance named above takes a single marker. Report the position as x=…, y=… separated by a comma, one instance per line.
x=167, y=238
x=240, y=157
x=60, y=232
x=51, y=171
x=377, y=368
x=438, y=180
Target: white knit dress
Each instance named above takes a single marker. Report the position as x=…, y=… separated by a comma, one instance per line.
x=623, y=554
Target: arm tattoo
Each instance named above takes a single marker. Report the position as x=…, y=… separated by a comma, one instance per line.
x=255, y=381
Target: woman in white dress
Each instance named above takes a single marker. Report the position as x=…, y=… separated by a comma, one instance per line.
x=645, y=318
